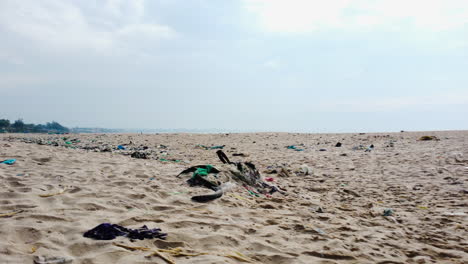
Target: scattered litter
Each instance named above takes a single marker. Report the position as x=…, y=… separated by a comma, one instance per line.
x=131, y=247
x=52, y=260
x=303, y=170
x=8, y=161
x=139, y=155
x=11, y=214
x=121, y=147
x=426, y=138
x=454, y=213
x=360, y=147
x=251, y=192
x=108, y=231
x=217, y=147
x=320, y=231
x=53, y=194
x=269, y=179
x=283, y=172
x=370, y=148
x=157, y=253
x=206, y=147
x=388, y=212
x=106, y=149
x=294, y=148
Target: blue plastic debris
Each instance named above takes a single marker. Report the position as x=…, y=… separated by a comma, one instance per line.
x=8, y=161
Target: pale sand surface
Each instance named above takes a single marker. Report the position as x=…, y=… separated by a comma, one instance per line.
x=423, y=182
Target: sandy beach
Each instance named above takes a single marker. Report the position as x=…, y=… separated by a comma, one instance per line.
x=64, y=185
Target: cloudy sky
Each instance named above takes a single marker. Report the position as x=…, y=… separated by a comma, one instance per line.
x=251, y=65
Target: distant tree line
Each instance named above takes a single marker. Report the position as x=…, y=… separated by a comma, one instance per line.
x=20, y=127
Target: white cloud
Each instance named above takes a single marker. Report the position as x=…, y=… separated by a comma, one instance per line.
x=10, y=58
x=303, y=16
x=65, y=26
x=12, y=82
x=272, y=64
x=147, y=30
x=392, y=104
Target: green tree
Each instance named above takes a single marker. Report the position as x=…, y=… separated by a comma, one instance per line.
x=56, y=127
x=18, y=125
x=4, y=123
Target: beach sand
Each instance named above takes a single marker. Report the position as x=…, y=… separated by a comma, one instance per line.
x=424, y=183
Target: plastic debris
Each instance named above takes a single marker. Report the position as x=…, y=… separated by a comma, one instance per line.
x=239, y=155
x=212, y=147
x=388, y=212
x=217, y=147
x=370, y=148
x=139, y=155
x=320, y=231
x=8, y=161
x=11, y=214
x=294, y=148
x=53, y=194
x=106, y=231
x=52, y=260
x=427, y=138
x=454, y=213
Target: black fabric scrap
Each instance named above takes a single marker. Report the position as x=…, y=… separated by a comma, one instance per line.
x=107, y=231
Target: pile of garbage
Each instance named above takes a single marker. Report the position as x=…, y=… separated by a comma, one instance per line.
x=226, y=177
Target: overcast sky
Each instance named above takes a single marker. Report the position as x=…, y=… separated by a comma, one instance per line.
x=268, y=65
